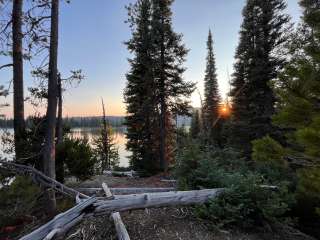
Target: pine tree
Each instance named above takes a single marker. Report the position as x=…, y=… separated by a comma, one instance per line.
x=212, y=97
x=110, y=155
x=139, y=96
x=171, y=90
x=262, y=32
x=298, y=92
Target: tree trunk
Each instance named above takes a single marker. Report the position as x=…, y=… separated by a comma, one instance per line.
x=49, y=147
x=18, y=98
x=163, y=106
x=59, y=133
x=59, y=120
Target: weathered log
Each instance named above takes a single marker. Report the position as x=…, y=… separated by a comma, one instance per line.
x=120, y=191
x=169, y=180
x=119, y=225
x=61, y=223
x=40, y=178
x=121, y=174
x=107, y=190
x=154, y=200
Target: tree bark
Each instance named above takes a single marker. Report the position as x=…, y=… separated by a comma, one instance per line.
x=59, y=133
x=163, y=105
x=59, y=120
x=49, y=147
x=18, y=97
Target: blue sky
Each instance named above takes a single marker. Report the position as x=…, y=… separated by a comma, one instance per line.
x=92, y=35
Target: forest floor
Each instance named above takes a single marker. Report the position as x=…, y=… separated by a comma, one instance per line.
x=169, y=223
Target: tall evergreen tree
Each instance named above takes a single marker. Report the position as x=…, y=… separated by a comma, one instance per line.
x=212, y=97
x=171, y=90
x=262, y=32
x=298, y=92
x=139, y=96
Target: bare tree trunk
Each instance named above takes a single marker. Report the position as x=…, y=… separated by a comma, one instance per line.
x=59, y=120
x=163, y=107
x=18, y=99
x=49, y=147
x=59, y=133
x=105, y=139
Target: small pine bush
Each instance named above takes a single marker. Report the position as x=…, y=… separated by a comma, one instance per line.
x=243, y=202
x=78, y=157
x=17, y=200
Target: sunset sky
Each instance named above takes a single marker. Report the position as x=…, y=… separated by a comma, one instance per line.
x=92, y=33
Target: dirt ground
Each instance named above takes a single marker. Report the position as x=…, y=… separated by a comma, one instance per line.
x=156, y=224
x=119, y=182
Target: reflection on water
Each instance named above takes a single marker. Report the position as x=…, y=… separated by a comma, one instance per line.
x=89, y=133
x=119, y=138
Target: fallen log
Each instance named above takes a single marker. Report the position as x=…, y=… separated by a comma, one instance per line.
x=118, y=223
x=40, y=178
x=121, y=174
x=120, y=227
x=121, y=191
x=93, y=206
x=61, y=223
x=154, y=200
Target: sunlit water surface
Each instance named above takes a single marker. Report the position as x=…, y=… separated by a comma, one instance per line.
x=89, y=133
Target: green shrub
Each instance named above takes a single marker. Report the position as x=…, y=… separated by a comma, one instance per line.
x=244, y=202
x=268, y=150
x=17, y=200
x=78, y=157
x=308, y=190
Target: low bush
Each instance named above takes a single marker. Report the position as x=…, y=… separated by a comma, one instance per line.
x=78, y=157
x=244, y=201
x=17, y=200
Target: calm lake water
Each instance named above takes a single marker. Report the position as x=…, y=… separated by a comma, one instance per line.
x=89, y=133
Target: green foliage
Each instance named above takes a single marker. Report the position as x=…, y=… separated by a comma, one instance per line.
x=246, y=203
x=308, y=189
x=158, y=55
x=212, y=98
x=309, y=138
x=262, y=33
x=17, y=200
x=108, y=155
x=298, y=92
x=78, y=157
x=267, y=150
x=142, y=118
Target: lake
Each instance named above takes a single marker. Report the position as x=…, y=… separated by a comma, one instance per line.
x=90, y=133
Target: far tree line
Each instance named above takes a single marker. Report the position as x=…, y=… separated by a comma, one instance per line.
x=74, y=122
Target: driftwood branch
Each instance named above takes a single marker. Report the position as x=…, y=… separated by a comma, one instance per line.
x=61, y=223
x=119, y=225
x=40, y=178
